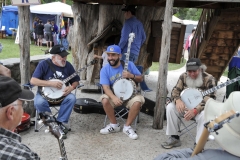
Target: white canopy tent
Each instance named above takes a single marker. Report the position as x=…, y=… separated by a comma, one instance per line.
x=54, y=8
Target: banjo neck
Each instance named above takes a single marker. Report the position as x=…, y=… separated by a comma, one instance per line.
x=130, y=40
x=76, y=73
x=204, y=93
x=62, y=150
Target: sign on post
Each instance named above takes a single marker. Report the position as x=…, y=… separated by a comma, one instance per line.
x=25, y=2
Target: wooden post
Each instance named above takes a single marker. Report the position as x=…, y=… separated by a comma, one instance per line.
x=24, y=47
x=163, y=67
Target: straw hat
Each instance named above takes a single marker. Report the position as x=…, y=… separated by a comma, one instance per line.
x=229, y=135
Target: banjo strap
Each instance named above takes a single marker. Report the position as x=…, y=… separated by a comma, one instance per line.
x=52, y=68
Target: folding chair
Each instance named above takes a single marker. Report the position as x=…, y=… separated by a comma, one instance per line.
x=187, y=128
x=54, y=109
x=122, y=111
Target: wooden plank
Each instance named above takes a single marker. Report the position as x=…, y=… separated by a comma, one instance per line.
x=216, y=62
x=223, y=42
x=159, y=110
x=211, y=28
x=215, y=56
x=226, y=34
x=175, y=36
x=229, y=17
x=233, y=26
x=180, y=44
x=218, y=50
x=211, y=69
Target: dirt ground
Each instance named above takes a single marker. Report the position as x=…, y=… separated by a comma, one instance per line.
x=86, y=143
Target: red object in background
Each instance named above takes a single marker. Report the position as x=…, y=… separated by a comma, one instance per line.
x=25, y=123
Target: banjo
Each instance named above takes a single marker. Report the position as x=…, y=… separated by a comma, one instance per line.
x=193, y=97
x=214, y=126
x=49, y=120
x=125, y=88
x=55, y=95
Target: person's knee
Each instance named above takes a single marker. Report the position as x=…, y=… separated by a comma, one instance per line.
x=170, y=108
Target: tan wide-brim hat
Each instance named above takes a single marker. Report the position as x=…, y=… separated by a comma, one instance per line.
x=229, y=135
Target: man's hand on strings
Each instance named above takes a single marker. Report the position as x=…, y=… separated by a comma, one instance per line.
x=126, y=74
x=68, y=90
x=56, y=84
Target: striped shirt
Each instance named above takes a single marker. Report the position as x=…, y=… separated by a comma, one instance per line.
x=11, y=147
x=208, y=82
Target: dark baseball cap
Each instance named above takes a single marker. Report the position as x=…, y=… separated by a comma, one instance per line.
x=193, y=64
x=10, y=91
x=129, y=8
x=60, y=50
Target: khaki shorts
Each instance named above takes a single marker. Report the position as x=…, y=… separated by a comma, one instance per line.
x=129, y=103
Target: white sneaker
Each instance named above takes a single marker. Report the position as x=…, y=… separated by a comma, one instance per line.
x=130, y=132
x=109, y=129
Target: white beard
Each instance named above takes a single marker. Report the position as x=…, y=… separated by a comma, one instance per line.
x=194, y=83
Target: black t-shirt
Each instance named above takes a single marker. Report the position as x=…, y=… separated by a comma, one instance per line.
x=39, y=29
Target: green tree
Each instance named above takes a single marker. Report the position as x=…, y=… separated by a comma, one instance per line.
x=189, y=13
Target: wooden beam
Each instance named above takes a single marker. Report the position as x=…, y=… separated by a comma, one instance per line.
x=210, y=29
x=180, y=44
x=161, y=94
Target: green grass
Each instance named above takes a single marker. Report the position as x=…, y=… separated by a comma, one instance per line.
x=171, y=66
x=11, y=50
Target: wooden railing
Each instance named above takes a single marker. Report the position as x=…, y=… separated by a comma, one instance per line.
x=201, y=32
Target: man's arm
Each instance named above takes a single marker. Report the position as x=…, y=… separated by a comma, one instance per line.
x=110, y=94
x=124, y=36
x=5, y=71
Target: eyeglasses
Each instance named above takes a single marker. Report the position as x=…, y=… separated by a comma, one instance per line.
x=24, y=104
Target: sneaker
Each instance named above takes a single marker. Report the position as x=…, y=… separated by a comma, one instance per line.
x=63, y=128
x=172, y=142
x=109, y=129
x=130, y=132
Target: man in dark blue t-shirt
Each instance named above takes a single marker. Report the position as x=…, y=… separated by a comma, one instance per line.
x=45, y=75
x=109, y=74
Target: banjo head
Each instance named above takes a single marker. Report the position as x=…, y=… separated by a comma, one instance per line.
x=123, y=88
x=52, y=92
x=191, y=97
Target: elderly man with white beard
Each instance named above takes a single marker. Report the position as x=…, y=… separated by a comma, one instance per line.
x=194, y=77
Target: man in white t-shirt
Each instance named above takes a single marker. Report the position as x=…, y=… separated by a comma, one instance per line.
x=104, y=56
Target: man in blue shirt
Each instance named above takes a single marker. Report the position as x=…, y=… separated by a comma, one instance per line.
x=56, y=68
x=108, y=75
x=132, y=24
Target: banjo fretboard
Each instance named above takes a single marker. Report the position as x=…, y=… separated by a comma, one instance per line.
x=204, y=93
x=76, y=73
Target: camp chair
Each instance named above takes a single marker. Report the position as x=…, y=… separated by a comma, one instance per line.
x=187, y=128
x=121, y=112
x=54, y=109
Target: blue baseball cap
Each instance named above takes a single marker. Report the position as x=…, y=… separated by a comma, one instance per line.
x=114, y=49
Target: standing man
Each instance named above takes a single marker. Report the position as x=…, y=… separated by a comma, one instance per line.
x=12, y=99
x=56, y=68
x=40, y=33
x=132, y=24
x=194, y=77
x=48, y=28
x=108, y=75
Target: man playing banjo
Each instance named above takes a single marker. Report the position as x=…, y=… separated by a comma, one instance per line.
x=194, y=77
x=47, y=76
x=109, y=74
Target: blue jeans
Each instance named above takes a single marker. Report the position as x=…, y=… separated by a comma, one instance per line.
x=132, y=57
x=42, y=105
